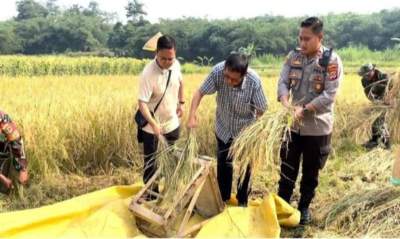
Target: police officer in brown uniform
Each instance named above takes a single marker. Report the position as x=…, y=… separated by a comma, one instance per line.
x=310, y=77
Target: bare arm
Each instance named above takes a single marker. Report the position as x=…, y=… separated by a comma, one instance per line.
x=285, y=100
x=193, y=108
x=181, y=94
x=181, y=98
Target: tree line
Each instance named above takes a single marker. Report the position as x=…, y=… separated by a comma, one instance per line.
x=47, y=29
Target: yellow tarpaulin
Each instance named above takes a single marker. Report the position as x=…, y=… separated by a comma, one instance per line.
x=105, y=214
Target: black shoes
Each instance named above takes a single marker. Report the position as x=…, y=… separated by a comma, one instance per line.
x=371, y=144
x=305, y=217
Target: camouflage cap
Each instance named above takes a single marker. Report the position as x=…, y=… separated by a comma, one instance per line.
x=366, y=69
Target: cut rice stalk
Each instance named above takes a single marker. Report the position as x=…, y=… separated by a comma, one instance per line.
x=177, y=168
x=259, y=144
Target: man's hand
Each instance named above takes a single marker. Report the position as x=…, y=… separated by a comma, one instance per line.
x=298, y=113
x=23, y=176
x=285, y=101
x=156, y=129
x=6, y=181
x=179, y=111
x=192, y=123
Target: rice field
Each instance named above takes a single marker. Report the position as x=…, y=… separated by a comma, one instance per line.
x=80, y=130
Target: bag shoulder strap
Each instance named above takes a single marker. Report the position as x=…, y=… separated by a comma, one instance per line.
x=324, y=62
x=326, y=56
x=166, y=87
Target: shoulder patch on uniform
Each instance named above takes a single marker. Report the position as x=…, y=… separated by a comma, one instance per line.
x=333, y=71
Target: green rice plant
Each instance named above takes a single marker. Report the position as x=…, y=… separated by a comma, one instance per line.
x=63, y=65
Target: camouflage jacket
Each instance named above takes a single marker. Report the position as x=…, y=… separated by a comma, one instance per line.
x=375, y=89
x=11, y=141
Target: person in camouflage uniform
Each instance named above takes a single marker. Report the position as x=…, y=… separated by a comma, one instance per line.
x=375, y=84
x=11, y=153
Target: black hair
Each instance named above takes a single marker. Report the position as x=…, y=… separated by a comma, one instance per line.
x=166, y=42
x=237, y=62
x=316, y=25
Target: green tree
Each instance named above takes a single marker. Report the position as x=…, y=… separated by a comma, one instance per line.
x=9, y=42
x=28, y=9
x=52, y=7
x=135, y=11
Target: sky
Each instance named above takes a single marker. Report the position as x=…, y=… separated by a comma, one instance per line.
x=215, y=9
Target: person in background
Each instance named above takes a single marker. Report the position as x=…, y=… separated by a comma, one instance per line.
x=11, y=152
x=376, y=85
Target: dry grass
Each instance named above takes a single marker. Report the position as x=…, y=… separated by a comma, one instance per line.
x=373, y=213
x=371, y=167
x=355, y=121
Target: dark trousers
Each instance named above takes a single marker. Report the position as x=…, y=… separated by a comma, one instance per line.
x=315, y=151
x=225, y=174
x=150, y=143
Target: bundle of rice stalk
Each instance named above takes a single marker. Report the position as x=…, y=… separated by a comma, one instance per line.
x=394, y=110
x=165, y=158
x=177, y=168
x=356, y=122
x=371, y=213
x=259, y=144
